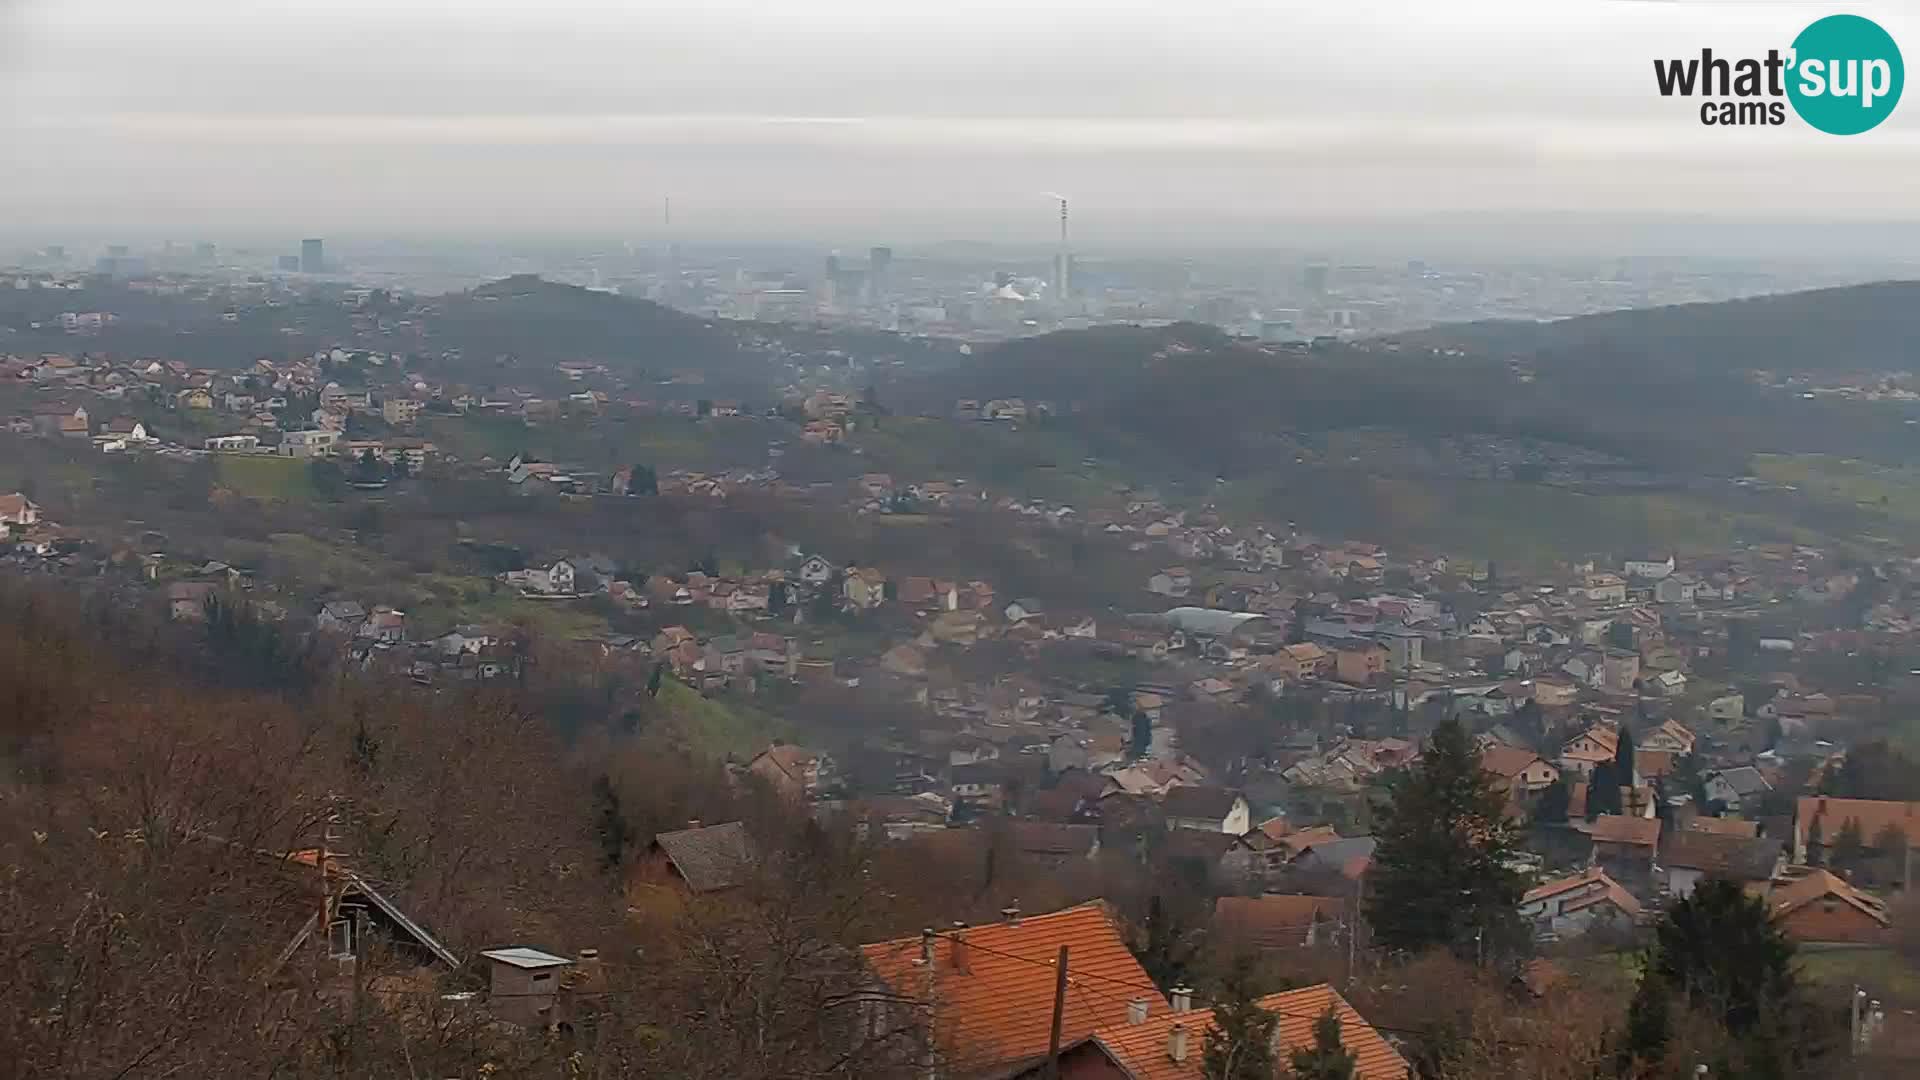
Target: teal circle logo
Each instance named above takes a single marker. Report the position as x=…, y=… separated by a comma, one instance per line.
x=1847, y=75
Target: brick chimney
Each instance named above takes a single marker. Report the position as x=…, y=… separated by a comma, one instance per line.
x=1011, y=913
x=1182, y=997
x=1177, y=1043
x=961, y=953
x=1137, y=1011
x=926, y=945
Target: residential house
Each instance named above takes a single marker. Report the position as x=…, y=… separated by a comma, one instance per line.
x=1727, y=709
x=1649, y=568
x=1625, y=846
x=384, y=625
x=793, y=772
x=1518, y=772
x=986, y=993
x=127, y=429
x=1689, y=855
x=1671, y=735
x=17, y=509
x=341, y=617
x=1604, y=589
x=1815, y=906
x=865, y=588
x=1171, y=1045
x=1593, y=747
x=1573, y=905
x=1174, y=581
x=233, y=444
x=318, y=442
x=698, y=859
x=1295, y=663
x=1023, y=609
x=555, y=580
x=1055, y=845
x=187, y=600
x=1676, y=590
x=1213, y=809
x=1827, y=816
x=399, y=410
x=1739, y=789
x=1277, y=922
x=983, y=786
x=1360, y=664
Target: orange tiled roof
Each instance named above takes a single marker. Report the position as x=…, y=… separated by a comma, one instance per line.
x=1721, y=826
x=1275, y=921
x=1610, y=890
x=1507, y=762
x=995, y=1005
x=1620, y=829
x=1787, y=897
x=1141, y=1049
x=1874, y=816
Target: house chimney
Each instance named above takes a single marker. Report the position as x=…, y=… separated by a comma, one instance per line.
x=1011, y=913
x=1182, y=996
x=1137, y=1011
x=693, y=823
x=926, y=945
x=960, y=951
x=1177, y=1043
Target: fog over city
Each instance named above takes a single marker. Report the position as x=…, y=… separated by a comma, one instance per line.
x=1213, y=122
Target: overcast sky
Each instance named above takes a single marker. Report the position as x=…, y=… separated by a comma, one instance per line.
x=931, y=119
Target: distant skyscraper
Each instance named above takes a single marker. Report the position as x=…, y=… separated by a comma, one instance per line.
x=878, y=259
x=1314, y=277
x=312, y=257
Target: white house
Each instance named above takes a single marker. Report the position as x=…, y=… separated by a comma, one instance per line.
x=1648, y=568
x=555, y=580
x=309, y=444
x=17, y=509
x=1574, y=905
x=1734, y=787
x=1212, y=809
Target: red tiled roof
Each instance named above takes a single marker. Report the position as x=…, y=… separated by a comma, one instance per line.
x=995, y=1005
x=1142, y=1049
x=1620, y=829
x=1786, y=898
x=1507, y=762
x=1271, y=922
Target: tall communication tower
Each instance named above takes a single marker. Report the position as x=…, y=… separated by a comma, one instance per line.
x=1063, y=260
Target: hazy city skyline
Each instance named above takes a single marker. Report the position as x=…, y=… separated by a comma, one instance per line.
x=1211, y=122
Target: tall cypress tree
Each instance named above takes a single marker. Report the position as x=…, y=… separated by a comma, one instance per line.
x=1440, y=875
x=1240, y=1045
x=1328, y=1058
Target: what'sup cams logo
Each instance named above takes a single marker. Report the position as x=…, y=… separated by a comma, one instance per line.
x=1843, y=76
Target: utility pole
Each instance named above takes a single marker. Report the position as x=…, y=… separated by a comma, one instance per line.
x=1059, y=1006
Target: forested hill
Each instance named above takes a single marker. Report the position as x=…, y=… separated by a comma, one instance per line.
x=1856, y=328
x=546, y=322
x=1669, y=387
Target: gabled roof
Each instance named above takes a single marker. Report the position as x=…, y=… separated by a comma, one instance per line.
x=1620, y=829
x=1507, y=762
x=1747, y=780
x=1141, y=1049
x=1723, y=826
x=1194, y=801
x=1723, y=855
x=1874, y=815
x=1274, y=921
x=1592, y=881
x=709, y=858
x=992, y=994
x=1785, y=898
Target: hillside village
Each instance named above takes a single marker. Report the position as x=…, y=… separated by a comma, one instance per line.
x=1221, y=697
